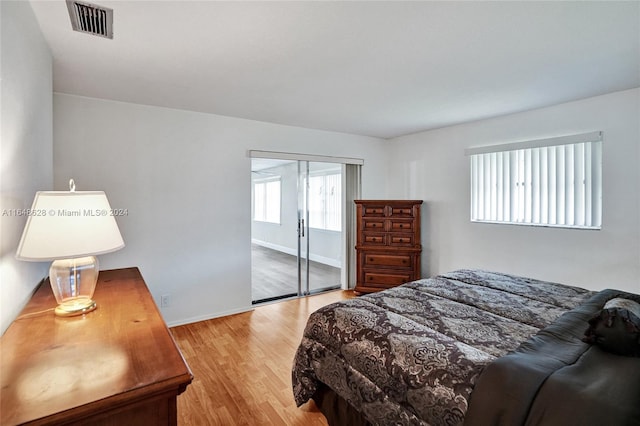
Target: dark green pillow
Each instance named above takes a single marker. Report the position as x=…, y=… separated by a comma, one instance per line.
x=616, y=328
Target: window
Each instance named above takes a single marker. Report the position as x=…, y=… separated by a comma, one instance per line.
x=325, y=208
x=550, y=182
x=266, y=200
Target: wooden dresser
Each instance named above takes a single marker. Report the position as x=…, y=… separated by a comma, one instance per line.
x=388, y=243
x=117, y=365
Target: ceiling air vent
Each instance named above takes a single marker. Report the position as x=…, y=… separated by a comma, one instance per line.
x=90, y=18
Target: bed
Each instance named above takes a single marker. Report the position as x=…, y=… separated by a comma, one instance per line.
x=418, y=354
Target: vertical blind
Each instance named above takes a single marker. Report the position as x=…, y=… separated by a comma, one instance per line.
x=550, y=182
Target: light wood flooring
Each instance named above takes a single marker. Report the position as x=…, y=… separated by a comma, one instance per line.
x=242, y=365
x=275, y=274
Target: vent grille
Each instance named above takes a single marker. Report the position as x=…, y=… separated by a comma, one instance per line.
x=91, y=19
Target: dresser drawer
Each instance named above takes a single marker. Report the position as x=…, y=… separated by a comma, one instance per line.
x=373, y=211
x=407, y=240
x=374, y=238
x=401, y=225
x=389, y=260
x=401, y=212
x=373, y=225
x=381, y=279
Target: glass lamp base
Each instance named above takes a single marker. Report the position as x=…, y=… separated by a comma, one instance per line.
x=75, y=307
x=73, y=282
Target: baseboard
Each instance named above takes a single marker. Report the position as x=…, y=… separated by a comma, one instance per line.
x=209, y=316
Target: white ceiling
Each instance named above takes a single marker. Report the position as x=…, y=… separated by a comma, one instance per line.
x=372, y=68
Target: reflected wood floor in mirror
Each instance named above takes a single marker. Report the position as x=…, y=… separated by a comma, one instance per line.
x=274, y=273
x=242, y=365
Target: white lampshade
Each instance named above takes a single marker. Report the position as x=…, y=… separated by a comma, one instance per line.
x=69, y=224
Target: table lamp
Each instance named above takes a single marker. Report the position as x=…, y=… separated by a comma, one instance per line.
x=70, y=228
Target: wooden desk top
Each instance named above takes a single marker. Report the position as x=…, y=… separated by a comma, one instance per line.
x=67, y=368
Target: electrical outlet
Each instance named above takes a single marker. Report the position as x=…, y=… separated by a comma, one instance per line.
x=164, y=301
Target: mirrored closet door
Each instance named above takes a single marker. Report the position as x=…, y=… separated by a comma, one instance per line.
x=297, y=227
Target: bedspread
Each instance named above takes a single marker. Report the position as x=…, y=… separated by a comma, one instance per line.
x=555, y=379
x=412, y=354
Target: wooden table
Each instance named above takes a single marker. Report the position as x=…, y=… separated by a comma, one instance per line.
x=117, y=365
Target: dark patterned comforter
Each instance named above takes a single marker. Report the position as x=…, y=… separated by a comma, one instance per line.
x=411, y=355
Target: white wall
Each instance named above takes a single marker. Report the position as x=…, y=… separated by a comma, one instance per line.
x=432, y=166
x=25, y=146
x=185, y=179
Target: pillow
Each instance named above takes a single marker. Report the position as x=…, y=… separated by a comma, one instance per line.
x=616, y=328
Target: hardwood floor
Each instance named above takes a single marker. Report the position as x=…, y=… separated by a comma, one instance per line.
x=274, y=274
x=242, y=365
